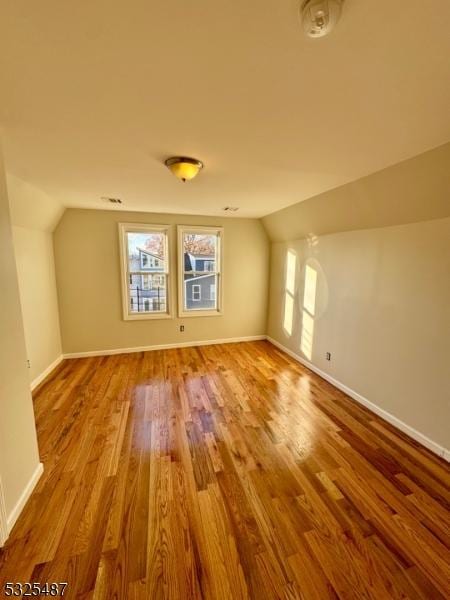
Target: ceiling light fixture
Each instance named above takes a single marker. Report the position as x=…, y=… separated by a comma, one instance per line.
x=183, y=167
x=320, y=16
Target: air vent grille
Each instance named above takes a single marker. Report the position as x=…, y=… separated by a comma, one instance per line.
x=112, y=200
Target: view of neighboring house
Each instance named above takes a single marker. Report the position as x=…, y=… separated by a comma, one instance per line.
x=200, y=284
x=148, y=281
x=147, y=290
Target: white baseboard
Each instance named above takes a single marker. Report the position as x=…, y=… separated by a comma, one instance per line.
x=249, y=338
x=14, y=514
x=396, y=422
x=37, y=380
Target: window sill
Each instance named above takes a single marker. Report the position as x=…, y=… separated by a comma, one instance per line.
x=147, y=317
x=200, y=313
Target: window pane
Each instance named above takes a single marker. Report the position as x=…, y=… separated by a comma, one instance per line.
x=147, y=293
x=146, y=251
x=200, y=292
x=200, y=252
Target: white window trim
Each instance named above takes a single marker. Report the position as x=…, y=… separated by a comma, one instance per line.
x=199, y=287
x=125, y=228
x=215, y=312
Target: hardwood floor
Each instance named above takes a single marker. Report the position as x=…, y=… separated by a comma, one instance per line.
x=225, y=472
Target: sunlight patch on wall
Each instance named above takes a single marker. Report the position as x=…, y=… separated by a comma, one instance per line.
x=288, y=314
x=309, y=308
x=309, y=295
x=291, y=264
x=306, y=342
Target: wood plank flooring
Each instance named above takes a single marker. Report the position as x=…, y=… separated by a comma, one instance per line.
x=225, y=472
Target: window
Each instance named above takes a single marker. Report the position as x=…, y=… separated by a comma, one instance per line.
x=145, y=271
x=200, y=270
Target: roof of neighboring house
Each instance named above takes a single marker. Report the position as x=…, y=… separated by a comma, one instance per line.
x=199, y=277
x=187, y=262
x=150, y=253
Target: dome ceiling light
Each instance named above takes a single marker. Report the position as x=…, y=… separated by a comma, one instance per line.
x=319, y=17
x=183, y=167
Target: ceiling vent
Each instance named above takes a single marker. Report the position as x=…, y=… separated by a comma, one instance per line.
x=112, y=200
x=319, y=17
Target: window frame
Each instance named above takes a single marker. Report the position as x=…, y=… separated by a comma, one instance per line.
x=218, y=273
x=124, y=229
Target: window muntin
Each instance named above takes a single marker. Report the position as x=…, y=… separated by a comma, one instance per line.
x=200, y=270
x=145, y=271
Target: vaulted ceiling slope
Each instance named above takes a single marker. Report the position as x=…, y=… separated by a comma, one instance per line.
x=94, y=95
x=30, y=207
x=414, y=190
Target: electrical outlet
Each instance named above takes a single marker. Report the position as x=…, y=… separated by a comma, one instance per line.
x=328, y=355
x=181, y=327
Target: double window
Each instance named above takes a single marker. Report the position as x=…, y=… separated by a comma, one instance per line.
x=146, y=274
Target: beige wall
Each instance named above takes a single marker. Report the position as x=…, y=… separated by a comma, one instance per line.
x=383, y=311
x=411, y=191
x=18, y=445
x=89, y=284
x=37, y=285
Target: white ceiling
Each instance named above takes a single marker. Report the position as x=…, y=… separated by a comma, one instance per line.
x=95, y=95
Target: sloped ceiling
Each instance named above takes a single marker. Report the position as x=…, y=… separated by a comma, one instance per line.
x=30, y=207
x=94, y=95
x=414, y=190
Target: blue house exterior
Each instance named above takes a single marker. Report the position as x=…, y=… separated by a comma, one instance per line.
x=200, y=284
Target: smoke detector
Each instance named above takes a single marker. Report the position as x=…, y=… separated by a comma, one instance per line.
x=319, y=17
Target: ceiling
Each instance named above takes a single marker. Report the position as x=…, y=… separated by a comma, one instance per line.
x=95, y=95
